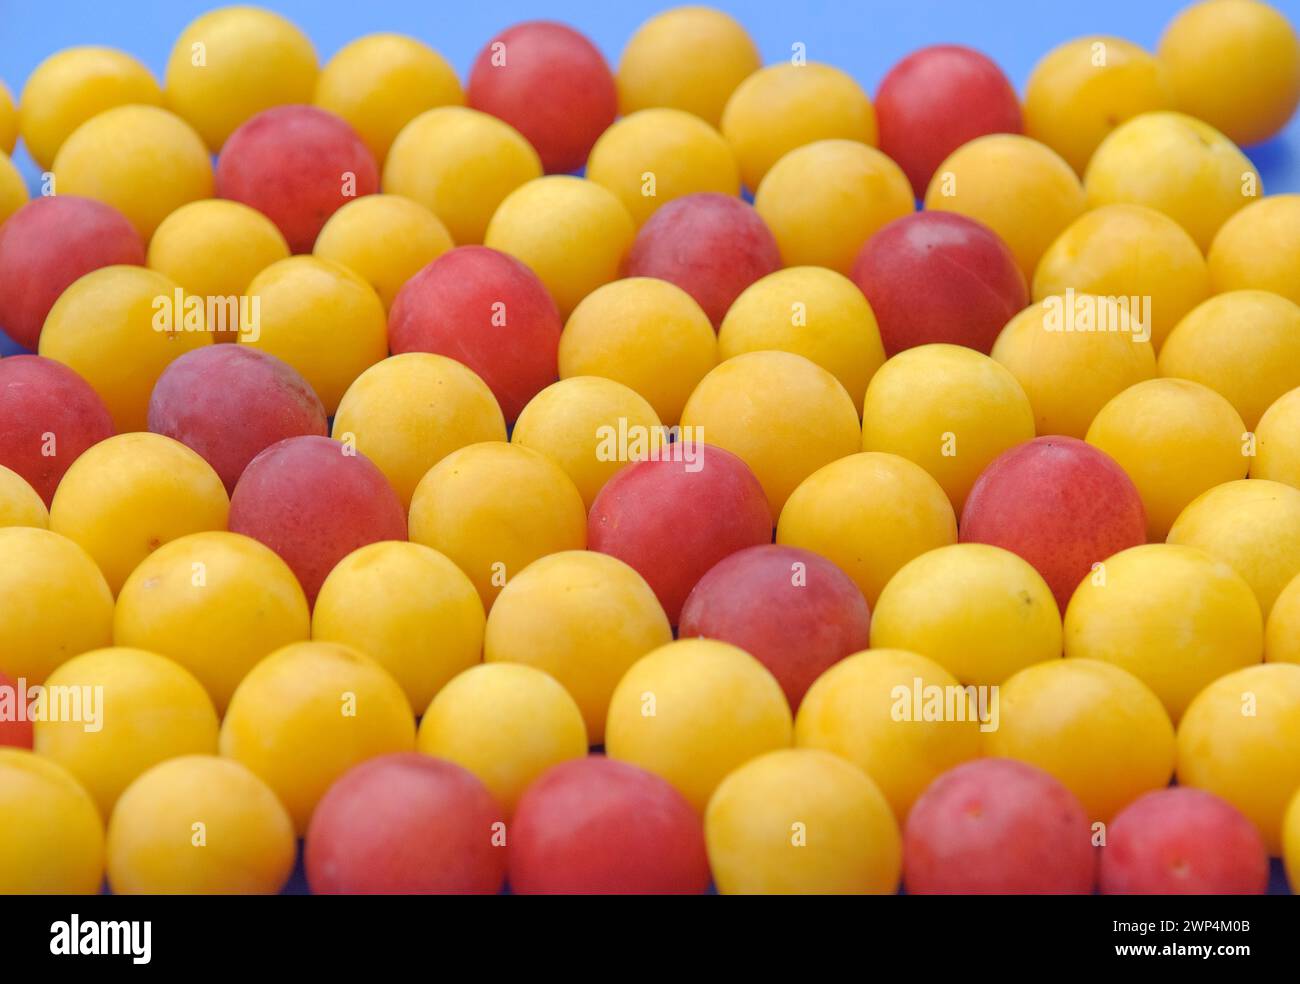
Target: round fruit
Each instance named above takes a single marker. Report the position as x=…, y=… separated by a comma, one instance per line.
x=1198, y=620
x=506, y=723
x=998, y=827
x=801, y=821
x=594, y=826
x=693, y=711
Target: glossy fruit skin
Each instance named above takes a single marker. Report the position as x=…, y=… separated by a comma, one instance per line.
x=712, y=246
x=380, y=82
x=545, y=616
x=406, y=824
x=696, y=687
x=322, y=319
x=1235, y=741
x=935, y=100
x=152, y=835
x=551, y=84
x=801, y=821
x=111, y=329
x=1182, y=841
x=1094, y=726
x=279, y=501
x=853, y=711
x=49, y=243
x=950, y=409
x=386, y=239
x=460, y=164
x=1175, y=439
x=51, y=834
x=215, y=603
x=569, y=421
x=823, y=200
x=980, y=612
x=688, y=58
x=308, y=713
x=671, y=524
x=597, y=826
x=150, y=709
x=144, y=161
x=409, y=608
x=231, y=402
x=1128, y=252
x=939, y=277
x=813, y=312
x=1082, y=89
x=1021, y=189
x=1244, y=344
x=783, y=415
x=1070, y=375
x=505, y=722
x=1060, y=504
x=494, y=508
x=996, y=826
x=1177, y=165
x=645, y=333
x=679, y=152
x=292, y=164
x=869, y=513
x=1254, y=525
x=409, y=411
x=70, y=87
x=214, y=248
x=1198, y=621
x=68, y=608
x=39, y=396
x=792, y=610
x=1259, y=248
x=455, y=307
x=255, y=59
x=130, y=494
x=1235, y=65
x=786, y=105
x=573, y=233
x=1277, y=436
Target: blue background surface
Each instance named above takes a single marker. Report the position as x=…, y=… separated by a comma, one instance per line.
x=864, y=38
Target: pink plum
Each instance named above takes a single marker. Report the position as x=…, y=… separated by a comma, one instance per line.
x=1183, y=841
x=406, y=824
x=710, y=245
x=594, y=826
x=671, y=519
x=297, y=165
x=937, y=99
x=46, y=245
x=996, y=826
x=552, y=85
x=230, y=402
x=792, y=610
x=939, y=277
x=1059, y=503
x=486, y=309
x=48, y=416
x=313, y=501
